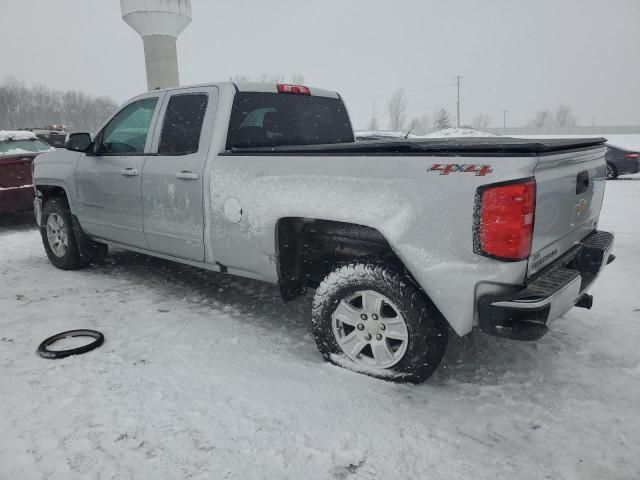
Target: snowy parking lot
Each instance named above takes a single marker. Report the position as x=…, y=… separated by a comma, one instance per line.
x=204, y=375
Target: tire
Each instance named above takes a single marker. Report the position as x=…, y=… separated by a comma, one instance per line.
x=58, y=235
x=44, y=352
x=374, y=292
x=612, y=172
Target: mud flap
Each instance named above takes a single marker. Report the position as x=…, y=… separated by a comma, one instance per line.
x=291, y=288
x=87, y=248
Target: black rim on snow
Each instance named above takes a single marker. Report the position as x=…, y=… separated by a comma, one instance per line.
x=44, y=352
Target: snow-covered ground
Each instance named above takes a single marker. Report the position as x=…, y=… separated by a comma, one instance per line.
x=207, y=376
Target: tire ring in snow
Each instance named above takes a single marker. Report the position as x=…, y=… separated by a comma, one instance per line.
x=45, y=353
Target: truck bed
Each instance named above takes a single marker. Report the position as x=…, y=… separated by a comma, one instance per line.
x=476, y=146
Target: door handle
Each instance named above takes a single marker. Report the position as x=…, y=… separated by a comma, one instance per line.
x=187, y=175
x=129, y=172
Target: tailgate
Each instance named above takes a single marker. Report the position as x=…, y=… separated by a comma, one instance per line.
x=569, y=193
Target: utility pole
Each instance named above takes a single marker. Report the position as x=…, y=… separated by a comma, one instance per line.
x=504, y=120
x=458, y=78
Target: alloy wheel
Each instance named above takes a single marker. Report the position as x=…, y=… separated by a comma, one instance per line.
x=370, y=329
x=57, y=235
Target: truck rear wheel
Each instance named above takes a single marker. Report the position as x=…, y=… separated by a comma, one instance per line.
x=58, y=235
x=370, y=318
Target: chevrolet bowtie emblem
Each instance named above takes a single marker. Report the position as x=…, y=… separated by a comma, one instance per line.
x=581, y=206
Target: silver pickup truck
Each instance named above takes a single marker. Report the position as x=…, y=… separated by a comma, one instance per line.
x=401, y=240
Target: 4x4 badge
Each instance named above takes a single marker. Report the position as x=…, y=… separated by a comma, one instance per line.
x=447, y=168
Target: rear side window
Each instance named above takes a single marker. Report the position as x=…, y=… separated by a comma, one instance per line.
x=278, y=119
x=182, y=124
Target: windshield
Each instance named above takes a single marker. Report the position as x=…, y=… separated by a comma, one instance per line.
x=277, y=119
x=9, y=147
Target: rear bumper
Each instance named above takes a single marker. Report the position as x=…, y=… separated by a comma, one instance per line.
x=525, y=313
x=16, y=199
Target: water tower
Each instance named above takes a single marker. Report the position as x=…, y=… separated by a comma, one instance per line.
x=158, y=22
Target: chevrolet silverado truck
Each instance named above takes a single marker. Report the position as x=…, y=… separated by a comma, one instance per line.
x=401, y=241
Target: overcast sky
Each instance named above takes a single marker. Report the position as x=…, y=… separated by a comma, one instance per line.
x=514, y=55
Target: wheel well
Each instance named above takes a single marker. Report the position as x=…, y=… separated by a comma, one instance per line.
x=308, y=249
x=49, y=191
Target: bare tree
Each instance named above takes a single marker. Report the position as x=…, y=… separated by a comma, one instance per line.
x=373, y=122
x=481, y=122
x=542, y=118
x=442, y=119
x=565, y=117
x=297, y=79
x=240, y=78
x=396, y=107
x=421, y=125
x=38, y=106
x=276, y=78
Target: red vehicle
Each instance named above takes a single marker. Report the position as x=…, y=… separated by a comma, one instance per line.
x=17, y=151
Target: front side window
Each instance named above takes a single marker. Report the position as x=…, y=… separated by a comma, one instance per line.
x=182, y=124
x=126, y=133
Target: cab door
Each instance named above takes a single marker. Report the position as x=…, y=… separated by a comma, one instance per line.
x=108, y=180
x=173, y=178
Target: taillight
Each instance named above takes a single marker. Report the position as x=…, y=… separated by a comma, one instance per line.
x=300, y=89
x=631, y=155
x=504, y=220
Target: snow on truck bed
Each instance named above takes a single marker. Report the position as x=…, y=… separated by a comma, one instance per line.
x=446, y=132
x=488, y=146
x=207, y=376
x=629, y=141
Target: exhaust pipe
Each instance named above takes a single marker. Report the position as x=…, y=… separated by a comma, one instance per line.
x=585, y=301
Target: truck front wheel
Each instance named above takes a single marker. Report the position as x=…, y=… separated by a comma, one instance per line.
x=370, y=318
x=58, y=235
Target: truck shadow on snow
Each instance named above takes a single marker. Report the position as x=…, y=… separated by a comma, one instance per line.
x=476, y=358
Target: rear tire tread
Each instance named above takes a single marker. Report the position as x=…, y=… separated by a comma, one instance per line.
x=428, y=328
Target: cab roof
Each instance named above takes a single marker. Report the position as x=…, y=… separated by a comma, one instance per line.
x=264, y=87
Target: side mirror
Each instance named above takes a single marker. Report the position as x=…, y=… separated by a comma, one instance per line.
x=78, y=142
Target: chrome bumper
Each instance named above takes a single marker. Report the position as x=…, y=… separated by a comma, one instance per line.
x=525, y=313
